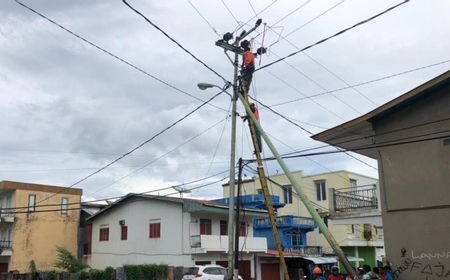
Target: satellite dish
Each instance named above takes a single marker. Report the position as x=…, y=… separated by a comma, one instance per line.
x=181, y=190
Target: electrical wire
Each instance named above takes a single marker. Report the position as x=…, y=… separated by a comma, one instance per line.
x=366, y=82
x=9, y=209
x=334, y=35
x=113, y=55
x=219, y=141
x=373, y=135
x=140, y=145
x=160, y=157
x=306, y=23
x=379, y=145
x=204, y=18
x=175, y=41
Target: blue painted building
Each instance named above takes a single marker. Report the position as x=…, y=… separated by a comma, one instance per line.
x=291, y=229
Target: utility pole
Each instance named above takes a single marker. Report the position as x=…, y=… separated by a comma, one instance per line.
x=299, y=190
x=238, y=222
x=236, y=50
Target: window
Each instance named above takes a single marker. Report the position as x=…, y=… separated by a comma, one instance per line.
x=287, y=194
x=243, y=229
x=296, y=240
x=123, y=233
x=223, y=228
x=353, y=185
x=155, y=230
x=353, y=229
x=321, y=190
x=104, y=233
x=31, y=203
x=64, y=205
x=205, y=227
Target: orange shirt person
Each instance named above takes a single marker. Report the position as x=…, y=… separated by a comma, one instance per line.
x=248, y=66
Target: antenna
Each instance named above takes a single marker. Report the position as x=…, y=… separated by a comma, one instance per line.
x=181, y=190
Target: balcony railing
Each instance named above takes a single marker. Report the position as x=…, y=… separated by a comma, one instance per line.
x=285, y=221
x=219, y=243
x=306, y=250
x=6, y=212
x=5, y=244
x=351, y=199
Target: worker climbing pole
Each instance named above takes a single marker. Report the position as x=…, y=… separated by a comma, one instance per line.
x=248, y=67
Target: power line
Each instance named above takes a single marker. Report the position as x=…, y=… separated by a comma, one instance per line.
x=140, y=145
x=374, y=146
x=175, y=41
x=334, y=35
x=309, y=132
x=121, y=196
x=203, y=17
x=301, y=93
x=372, y=135
x=113, y=55
x=219, y=141
x=306, y=23
x=324, y=67
x=80, y=208
x=364, y=83
x=161, y=156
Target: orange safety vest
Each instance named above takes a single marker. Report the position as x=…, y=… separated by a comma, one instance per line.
x=249, y=60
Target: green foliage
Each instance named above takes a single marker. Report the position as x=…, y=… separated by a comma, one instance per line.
x=68, y=262
x=51, y=275
x=97, y=274
x=33, y=269
x=83, y=275
x=146, y=271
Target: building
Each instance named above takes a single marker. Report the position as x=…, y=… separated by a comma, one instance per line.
x=31, y=231
x=409, y=136
x=139, y=229
x=351, y=237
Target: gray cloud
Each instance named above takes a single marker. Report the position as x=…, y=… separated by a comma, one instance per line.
x=66, y=108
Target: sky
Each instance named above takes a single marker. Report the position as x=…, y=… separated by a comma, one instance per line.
x=68, y=108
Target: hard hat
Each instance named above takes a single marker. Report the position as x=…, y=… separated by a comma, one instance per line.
x=317, y=271
x=245, y=44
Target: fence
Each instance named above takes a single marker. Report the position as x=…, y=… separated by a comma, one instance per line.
x=351, y=199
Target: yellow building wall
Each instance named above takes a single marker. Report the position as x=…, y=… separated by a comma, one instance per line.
x=36, y=235
x=337, y=180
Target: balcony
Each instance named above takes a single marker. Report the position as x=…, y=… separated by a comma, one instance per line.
x=306, y=250
x=355, y=206
x=286, y=221
x=219, y=243
x=5, y=248
x=351, y=199
x=254, y=201
x=7, y=215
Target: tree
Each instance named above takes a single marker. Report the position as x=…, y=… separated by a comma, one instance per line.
x=68, y=262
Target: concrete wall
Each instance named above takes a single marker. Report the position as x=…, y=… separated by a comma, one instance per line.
x=36, y=235
x=170, y=249
x=415, y=189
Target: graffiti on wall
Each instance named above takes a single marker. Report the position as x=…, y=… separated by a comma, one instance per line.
x=426, y=265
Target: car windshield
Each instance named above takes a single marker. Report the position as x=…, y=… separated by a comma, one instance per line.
x=190, y=271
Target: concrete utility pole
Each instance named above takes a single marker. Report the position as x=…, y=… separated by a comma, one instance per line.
x=298, y=188
x=237, y=50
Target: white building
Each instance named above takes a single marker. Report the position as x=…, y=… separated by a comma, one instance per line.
x=142, y=229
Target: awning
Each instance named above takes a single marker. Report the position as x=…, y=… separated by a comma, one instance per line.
x=323, y=260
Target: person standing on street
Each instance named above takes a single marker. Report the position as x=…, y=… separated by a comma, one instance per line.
x=317, y=274
x=335, y=274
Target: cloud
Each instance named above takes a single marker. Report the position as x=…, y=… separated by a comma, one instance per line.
x=68, y=108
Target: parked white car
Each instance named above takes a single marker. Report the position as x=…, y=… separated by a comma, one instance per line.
x=206, y=272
